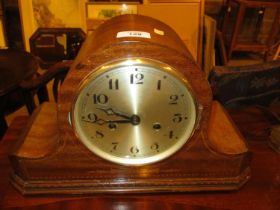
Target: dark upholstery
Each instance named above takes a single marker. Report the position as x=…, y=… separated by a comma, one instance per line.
x=246, y=85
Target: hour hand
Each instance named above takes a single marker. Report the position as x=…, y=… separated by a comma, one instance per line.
x=134, y=120
x=110, y=111
x=102, y=122
x=93, y=118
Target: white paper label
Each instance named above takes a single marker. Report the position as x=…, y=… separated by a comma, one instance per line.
x=140, y=34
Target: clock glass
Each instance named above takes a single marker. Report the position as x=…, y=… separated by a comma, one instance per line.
x=134, y=111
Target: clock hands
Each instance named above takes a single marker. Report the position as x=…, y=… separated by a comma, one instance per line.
x=110, y=111
x=133, y=119
x=102, y=122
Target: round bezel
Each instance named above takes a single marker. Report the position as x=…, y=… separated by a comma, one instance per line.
x=114, y=66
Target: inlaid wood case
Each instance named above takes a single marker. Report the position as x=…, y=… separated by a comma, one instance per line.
x=94, y=140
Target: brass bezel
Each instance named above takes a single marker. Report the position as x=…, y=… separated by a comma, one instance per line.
x=129, y=62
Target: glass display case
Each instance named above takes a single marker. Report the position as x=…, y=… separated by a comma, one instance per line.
x=250, y=25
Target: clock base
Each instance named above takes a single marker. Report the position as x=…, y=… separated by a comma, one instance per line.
x=44, y=164
x=34, y=187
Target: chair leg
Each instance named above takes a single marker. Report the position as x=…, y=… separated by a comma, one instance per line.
x=29, y=101
x=3, y=125
x=277, y=53
x=236, y=29
x=55, y=88
x=43, y=94
x=56, y=83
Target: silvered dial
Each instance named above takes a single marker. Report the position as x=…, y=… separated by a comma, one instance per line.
x=134, y=112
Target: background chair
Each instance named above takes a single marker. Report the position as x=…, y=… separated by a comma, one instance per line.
x=20, y=81
x=15, y=66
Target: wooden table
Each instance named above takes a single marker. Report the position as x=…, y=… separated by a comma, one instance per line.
x=262, y=192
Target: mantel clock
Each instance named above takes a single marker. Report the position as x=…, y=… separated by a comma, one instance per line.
x=134, y=115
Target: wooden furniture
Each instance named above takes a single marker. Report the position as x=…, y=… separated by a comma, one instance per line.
x=235, y=44
x=15, y=67
x=213, y=157
x=260, y=193
x=20, y=81
x=184, y=16
x=52, y=45
x=55, y=73
x=190, y=12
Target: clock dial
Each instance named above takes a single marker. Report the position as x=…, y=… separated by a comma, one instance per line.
x=134, y=112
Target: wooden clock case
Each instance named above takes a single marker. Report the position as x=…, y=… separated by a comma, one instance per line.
x=49, y=159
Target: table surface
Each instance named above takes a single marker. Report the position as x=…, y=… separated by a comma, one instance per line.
x=262, y=192
x=259, y=1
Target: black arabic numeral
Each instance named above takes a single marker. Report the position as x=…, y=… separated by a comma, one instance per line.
x=159, y=85
x=92, y=117
x=155, y=147
x=173, y=99
x=100, y=99
x=113, y=84
x=177, y=118
x=171, y=135
x=136, y=78
x=134, y=150
x=99, y=135
x=115, y=145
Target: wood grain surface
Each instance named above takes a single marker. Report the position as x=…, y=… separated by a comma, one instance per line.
x=70, y=168
x=260, y=193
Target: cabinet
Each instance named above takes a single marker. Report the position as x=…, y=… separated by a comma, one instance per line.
x=258, y=42
x=184, y=16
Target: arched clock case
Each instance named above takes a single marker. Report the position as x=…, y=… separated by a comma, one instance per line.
x=135, y=115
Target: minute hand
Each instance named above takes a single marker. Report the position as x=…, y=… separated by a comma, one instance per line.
x=110, y=111
x=132, y=121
